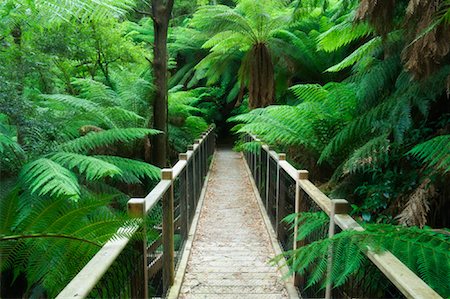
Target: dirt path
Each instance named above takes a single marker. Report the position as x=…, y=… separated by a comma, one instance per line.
x=231, y=248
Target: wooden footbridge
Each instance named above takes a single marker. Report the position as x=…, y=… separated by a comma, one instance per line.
x=211, y=227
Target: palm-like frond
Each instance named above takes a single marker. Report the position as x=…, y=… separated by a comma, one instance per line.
x=95, y=140
x=45, y=177
x=55, y=239
x=434, y=152
x=132, y=171
x=91, y=167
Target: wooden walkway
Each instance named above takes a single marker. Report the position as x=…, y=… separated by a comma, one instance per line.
x=232, y=247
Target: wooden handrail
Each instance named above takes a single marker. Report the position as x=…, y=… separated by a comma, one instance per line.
x=398, y=273
x=86, y=280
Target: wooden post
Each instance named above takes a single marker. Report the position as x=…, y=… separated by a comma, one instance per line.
x=194, y=170
x=139, y=287
x=338, y=206
x=168, y=232
x=184, y=205
x=301, y=175
x=267, y=180
x=281, y=157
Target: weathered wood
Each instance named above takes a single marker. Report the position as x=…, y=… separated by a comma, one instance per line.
x=84, y=282
x=155, y=266
x=168, y=231
x=229, y=203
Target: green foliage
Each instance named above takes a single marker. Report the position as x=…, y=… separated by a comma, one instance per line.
x=95, y=140
x=424, y=251
x=434, y=152
x=54, y=239
x=45, y=177
x=131, y=171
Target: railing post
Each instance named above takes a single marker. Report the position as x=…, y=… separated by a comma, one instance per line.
x=338, y=206
x=198, y=168
x=168, y=232
x=139, y=285
x=194, y=174
x=184, y=205
x=301, y=175
x=267, y=179
x=281, y=157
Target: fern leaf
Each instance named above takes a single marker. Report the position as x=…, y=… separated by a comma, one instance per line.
x=92, y=168
x=434, y=152
x=45, y=177
x=357, y=55
x=310, y=92
x=343, y=34
x=105, y=138
x=132, y=171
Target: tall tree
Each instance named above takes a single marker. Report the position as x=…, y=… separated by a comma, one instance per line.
x=161, y=12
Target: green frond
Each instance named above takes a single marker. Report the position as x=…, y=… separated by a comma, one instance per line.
x=56, y=239
x=45, y=177
x=96, y=92
x=434, y=152
x=91, y=167
x=132, y=171
x=309, y=92
x=357, y=55
x=422, y=250
x=368, y=156
x=95, y=140
x=343, y=34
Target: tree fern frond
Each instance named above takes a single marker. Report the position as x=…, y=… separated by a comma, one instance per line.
x=132, y=171
x=94, y=140
x=434, y=152
x=91, y=167
x=45, y=177
x=371, y=154
x=343, y=34
x=348, y=247
x=309, y=92
x=357, y=55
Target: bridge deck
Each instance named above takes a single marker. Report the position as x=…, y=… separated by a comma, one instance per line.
x=231, y=249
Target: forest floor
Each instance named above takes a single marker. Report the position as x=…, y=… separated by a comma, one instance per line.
x=232, y=248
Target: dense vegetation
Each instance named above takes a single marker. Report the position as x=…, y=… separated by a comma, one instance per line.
x=355, y=91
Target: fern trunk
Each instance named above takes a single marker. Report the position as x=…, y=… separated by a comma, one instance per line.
x=261, y=85
x=161, y=15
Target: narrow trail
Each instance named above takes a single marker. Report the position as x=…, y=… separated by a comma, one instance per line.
x=232, y=248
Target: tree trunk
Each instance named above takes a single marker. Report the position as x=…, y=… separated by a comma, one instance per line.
x=161, y=11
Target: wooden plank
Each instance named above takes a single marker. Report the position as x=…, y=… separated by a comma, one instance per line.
x=178, y=168
x=290, y=170
x=155, y=266
x=155, y=245
x=175, y=289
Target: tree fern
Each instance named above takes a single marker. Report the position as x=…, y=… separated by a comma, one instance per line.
x=434, y=152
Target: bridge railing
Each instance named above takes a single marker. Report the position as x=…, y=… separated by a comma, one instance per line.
x=285, y=190
x=126, y=267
